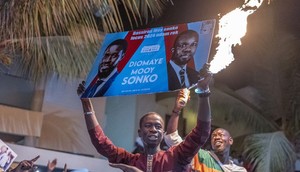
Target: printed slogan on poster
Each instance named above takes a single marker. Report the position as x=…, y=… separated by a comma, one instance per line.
x=151, y=60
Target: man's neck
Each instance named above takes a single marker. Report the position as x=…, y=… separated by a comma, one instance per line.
x=151, y=150
x=101, y=78
x=223, y=157
x=180, y=65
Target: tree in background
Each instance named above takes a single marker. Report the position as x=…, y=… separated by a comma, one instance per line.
x=64, y=36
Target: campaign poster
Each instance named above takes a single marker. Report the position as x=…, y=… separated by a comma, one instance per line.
x=150, y=60
x=7, y=156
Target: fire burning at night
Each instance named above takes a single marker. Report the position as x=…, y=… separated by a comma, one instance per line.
x=232, y=27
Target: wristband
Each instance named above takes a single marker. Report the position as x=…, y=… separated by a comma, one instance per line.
x=89, y=113
x=202, y=93
x=176, y=112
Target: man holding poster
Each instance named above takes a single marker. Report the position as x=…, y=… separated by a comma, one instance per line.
x=151, y=131
x=107, y=69
x=183, y=50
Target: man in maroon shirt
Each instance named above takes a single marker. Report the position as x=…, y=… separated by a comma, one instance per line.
x=175, y=159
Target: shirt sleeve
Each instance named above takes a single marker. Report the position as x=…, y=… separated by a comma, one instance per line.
x=187, y=149
x=106, y=148
x=172, y=139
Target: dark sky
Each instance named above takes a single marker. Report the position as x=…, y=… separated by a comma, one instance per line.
x=287, y=12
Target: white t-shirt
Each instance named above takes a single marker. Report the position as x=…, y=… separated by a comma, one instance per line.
x=3, y=159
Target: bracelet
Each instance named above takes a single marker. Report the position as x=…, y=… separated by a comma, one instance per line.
x=176, y=112
x=202, y=93
x=89, y=113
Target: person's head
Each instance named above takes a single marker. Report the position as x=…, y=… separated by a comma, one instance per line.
x=151, y=129
x=3, y=149
x=184, y=47
x=221, y=141
x=113, y=53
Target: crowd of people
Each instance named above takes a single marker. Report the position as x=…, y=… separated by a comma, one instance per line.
x=176, y=154
x=151, y=131
x=155, y=150
x=179, y=155
x=158, y=150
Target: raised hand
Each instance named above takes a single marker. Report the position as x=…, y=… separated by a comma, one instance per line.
x=205, y=77
x=81, y=88
x=26, y=165
x=51, y=165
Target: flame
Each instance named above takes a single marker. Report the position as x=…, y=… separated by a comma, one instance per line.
x=232, y=27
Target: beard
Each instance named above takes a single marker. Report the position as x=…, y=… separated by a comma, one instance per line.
x=104, y=72
x=182, y=59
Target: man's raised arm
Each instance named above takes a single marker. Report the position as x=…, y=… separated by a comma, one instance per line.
x=204, y=114
x=88, y=110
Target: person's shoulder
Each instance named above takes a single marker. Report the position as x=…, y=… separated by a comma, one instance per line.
x=239, y=168
x=204, y=152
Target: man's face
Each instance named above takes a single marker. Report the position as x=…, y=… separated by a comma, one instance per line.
x=3, y=149
x=109, y=60
x=152, y=130
x=184, y=48
x=221, y=140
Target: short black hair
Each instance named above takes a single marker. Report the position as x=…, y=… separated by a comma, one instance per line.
x=186, y=32
x=147, y=114
x=121, y=42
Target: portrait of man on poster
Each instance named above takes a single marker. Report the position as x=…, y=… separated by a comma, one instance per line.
x=180, y=75
x=107, y=69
